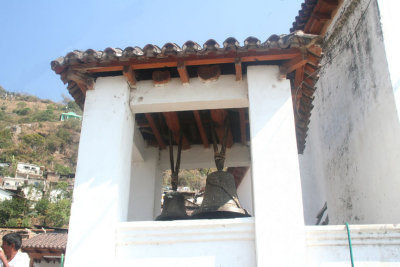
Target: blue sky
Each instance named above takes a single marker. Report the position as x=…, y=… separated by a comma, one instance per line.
x=33, y=33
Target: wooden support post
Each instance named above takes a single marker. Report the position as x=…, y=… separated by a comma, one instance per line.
x=203, y=134
x=130, y=76
x=183, y=72
x=155, y=130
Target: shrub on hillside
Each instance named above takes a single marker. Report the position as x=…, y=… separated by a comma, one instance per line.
x=22, y=111
x=34, y=140
x=6, y=138
x=45, y=115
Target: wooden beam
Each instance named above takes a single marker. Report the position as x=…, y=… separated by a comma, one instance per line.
x=172, y=120
x=238, y=69
x=295, y=63
x=183, y=72
x=84, y=81
x=155, y=130
x=218, y=116
x=130, y=76
x=243, y=136
x=199, y=123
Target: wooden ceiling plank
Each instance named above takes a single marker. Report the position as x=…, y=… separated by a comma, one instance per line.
x=199, y=123
x=155, y=130
x=238, y=69
x=218, y=116
x=243, y=136
x=183, y=74
x=130, y=76
x=172, y=120
x=84, y=81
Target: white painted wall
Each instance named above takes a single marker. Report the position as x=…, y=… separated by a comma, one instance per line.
x=142, y=188
x=388, y=11
x=103, y=174
x=225, y=92
x=353, y=147
x=202, y=243
x=278, y=210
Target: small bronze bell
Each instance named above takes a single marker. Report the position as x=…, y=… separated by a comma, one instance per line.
x=173, y=207
x=220, y=197
x=174, y=202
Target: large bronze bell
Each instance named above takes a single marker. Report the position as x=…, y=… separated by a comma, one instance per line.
x=173, y=207
x=220, y=198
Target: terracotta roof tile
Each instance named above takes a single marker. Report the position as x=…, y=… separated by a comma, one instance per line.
x=47, y=241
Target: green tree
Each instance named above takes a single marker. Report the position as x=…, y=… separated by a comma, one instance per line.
x=59, y=212
x=13, y=209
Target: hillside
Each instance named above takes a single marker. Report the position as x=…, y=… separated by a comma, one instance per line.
x=31, y=132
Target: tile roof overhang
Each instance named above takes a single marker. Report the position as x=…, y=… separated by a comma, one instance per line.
x=297, y=55
x=315, y=16
x=47, y=246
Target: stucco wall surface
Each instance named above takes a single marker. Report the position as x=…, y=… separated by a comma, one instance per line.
x=353, y=145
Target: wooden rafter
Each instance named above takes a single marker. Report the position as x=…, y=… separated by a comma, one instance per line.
x=172, y=120
x=183, y=72
x=199, y=123
x=155, y=130
x=296, y=95
x=238, y=69
x=129, y=73
x=218, y=117
x=242, y=118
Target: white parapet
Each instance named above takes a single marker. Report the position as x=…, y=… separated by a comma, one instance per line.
x=226, y=242
x=375, y=245
x=230, y=243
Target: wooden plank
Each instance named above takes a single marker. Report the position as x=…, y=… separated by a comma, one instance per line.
x=238, y=69
x=183, y=74
x=295, y=63
x=155, y=130
x=218, y=116
x=199, y=123
x=172, y=120
x=130, y=76
x=243, y=136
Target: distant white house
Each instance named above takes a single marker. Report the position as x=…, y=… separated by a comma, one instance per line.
x=5, y=194
x=27, y=170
